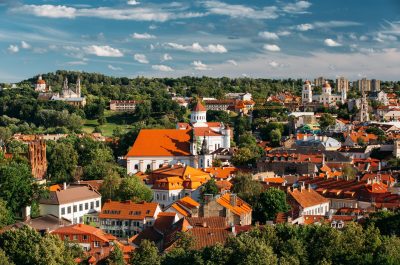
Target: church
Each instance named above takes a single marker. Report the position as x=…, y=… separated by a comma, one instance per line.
x=190, y=144
x=71, y=96
x=325, y=98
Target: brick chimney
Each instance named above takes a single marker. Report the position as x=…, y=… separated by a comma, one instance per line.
x=233, y=199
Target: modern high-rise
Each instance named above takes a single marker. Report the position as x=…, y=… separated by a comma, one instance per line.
x=363, y=85
x=375, y=85
x=342, y=84
x=320, y=81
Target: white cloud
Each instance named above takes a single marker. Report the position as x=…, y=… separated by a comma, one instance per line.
x=144, y=36
x=152, y=27
x=114, y=68
x=103, y=51
x=13, y=48
x=25, y=45
x=304, y=27
x=198, y=65
x=196, y=47
x=83, y=62
x=240, y=11
x=155, y=13
x=141, y=58
x=380, y=37
x=297, y=7
x=271, y=47
x=363, y=38
x=268, y=35
x=284, y=33
x=162, y=68
x=232, y=62
x=166, y=57
x=274, y=64
x=133, y=2
x=332, y=43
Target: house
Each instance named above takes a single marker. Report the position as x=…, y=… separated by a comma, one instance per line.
x=69, y=95
x=354, y=138
x=318, y=141
x=392, y=115
x=185, y=207
x=307, y=201
x=222, y=173
x=190, y=144
x=172, y=183
x=72, y=202
x=42, y=224
x=93, y=241
x=124, y=105
x=228, y=205
x=124, y=219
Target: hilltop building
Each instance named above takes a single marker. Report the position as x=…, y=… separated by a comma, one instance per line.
x=326, y=97
x=71, y=96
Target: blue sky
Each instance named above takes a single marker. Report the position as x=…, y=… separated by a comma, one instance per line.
x=270, y=39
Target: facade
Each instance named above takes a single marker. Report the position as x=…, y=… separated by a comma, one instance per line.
x=190, y=144
x=363, y=114
x=40, y=85
x=71, y=96
x=363, y=85
x=125, y=219
x=375, y=85
x=71, y=203
x=230, y=206
x=239, y=96
x=342, y=84
x=325, y=98
x=123, y=105
x=37, y=158
x=307, y=201
x=319, y=81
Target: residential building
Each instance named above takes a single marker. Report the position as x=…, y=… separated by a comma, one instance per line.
x=342, y=84
x=319, y=81
x=71, y=203
x=124, y=219
x=375, y=85
x=307, y=201
x=124, y=105
x=230, y=206
x=363, y=85
x=239, y=96
x=185, y=207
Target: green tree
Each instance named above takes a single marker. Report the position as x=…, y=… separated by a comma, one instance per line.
x=6, y=217
x=271, y=202
x=146, y=254
x=247, y=188
x=243, y=156
x=349, y=172
x=110, y=187
x=209, y=188
x=326, y=120
x=275, y=137
x=389, y=251
x=4, y=260
x=133, y=188
x=63, y=160
x=116, y=256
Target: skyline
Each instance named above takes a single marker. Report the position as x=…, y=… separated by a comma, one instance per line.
x=267, y=39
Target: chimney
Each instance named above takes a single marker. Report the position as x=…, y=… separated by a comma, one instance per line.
x=27, y=213
x=204, y=224
x=233, y=229
x=233, y=199
x=64, y=185
x=309, y=187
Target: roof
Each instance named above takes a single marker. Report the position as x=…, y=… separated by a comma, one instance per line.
x=221, y=172
x=199, y=107
x=71, y=194
x=205, y=131
x=208, y=222
x=169, y=142
x=241, y=207
x=204, y=237
x=128, y=210
x=82, y=229
x=307, y=197
x=184, y=206
x=164, y=221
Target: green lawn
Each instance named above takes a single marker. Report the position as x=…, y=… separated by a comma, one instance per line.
x=114, y=120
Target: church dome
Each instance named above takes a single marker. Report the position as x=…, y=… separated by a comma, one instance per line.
x=199, y=107
x=307, y=82
x=41, y=82
x=326, y=85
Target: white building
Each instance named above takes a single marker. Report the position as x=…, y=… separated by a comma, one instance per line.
x=154, y=148
x=40, y=85
x=71, y=203
x=71, y=96
x=308, y=201
x=326, y=97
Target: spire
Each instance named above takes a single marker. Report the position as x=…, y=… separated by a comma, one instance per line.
x=65, y=86
x=199, y=107
x=78, y=87
x=204, y=146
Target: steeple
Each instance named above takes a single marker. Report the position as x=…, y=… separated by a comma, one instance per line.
x=204, y=147
x=199, y=115
x=65, y=87
x=363, y=114
x=78, y=87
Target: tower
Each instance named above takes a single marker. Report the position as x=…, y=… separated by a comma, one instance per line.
x=343, y=95
x=198, y=117
x=306, y=94
x=363, y=115
x=40, y=84
x=326, y=88
x=64, y=92
x=205, y=158
x=78, y=87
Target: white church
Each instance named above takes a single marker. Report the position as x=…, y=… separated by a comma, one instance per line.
x=325, y=98
x=191, y=143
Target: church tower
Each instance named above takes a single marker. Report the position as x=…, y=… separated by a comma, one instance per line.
x=327, y=89
x=306, y=95
x=198, y=117
x=78, y=87
x=40, y=84
x=363, y=115
x=205, y=158
x=65, y=89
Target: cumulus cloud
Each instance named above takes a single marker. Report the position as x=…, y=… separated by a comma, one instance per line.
x=103, y=51
x=162, y=68
x=274, y=64
x=240, y=11
x=304, y=27
x=232, y=62
x=268, y=35
x=141, y=58
x=114, y=68
x=155, y=13
x=271, y=47
x=198, y=65
x=143, y=36
x=166, y=57
x=196, y=47
x=380, y=37
x=25, y=45
x=13, y=48
x=133, y=2
x=299, y=7
x=283, y=33
x=332, y=43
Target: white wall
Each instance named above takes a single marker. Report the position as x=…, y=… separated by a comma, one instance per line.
x=154, y=162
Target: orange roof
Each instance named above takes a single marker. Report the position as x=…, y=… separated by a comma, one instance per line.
x=205, y=131
x=382, y=177
x=184, y=205
x=41, y=82
x=183, y=172
x=355, y=135
x=221, y=172
x=240, y=208
x=199, y=107
x=128, y=210
x=307, y=197
x=55, y=187
x=274, y=180
x=164, y=142
x=82, y=229
x=169, y=183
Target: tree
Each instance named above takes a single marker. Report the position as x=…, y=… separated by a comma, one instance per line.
x=275, y=137
x=116, y=256
x=209, y=188
x=243, y=156
x=109, y=188
x=133, y=188
x=271, y=202
x=389, y=251
x=6, y=217
x=247, y=188
x=146, y=254
x=4, y=260
x=349, y=172
x=326, y=120
x=63, y=160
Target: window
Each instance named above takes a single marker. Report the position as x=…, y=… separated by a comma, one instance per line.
x=85, y=237
x=63, y=211
x=66, y=237
x=69, y=209
x=91, y=205
x=81, y=207
x=157, y=196
x=163, y=197
x=75, y=237
x=86, y=206
x=97, y=204
x=148, y=166
x=75, y=208
x=80, y=219
x=136, y=166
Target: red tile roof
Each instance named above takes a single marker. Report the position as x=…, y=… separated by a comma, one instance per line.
x=128, y=210
x=199, y=107
x=307, y=197
x=240, y=208
x=82, y=229
x=221, y=172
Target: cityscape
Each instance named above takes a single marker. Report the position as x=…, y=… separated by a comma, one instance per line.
x=204, y=132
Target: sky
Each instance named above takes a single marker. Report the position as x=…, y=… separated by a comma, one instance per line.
x=257, y=38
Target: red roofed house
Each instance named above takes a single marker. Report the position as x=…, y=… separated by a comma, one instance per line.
x=124, y=219
x=191, y=144
x=185, y=207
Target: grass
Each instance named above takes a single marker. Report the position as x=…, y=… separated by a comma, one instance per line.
x=114, y=120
